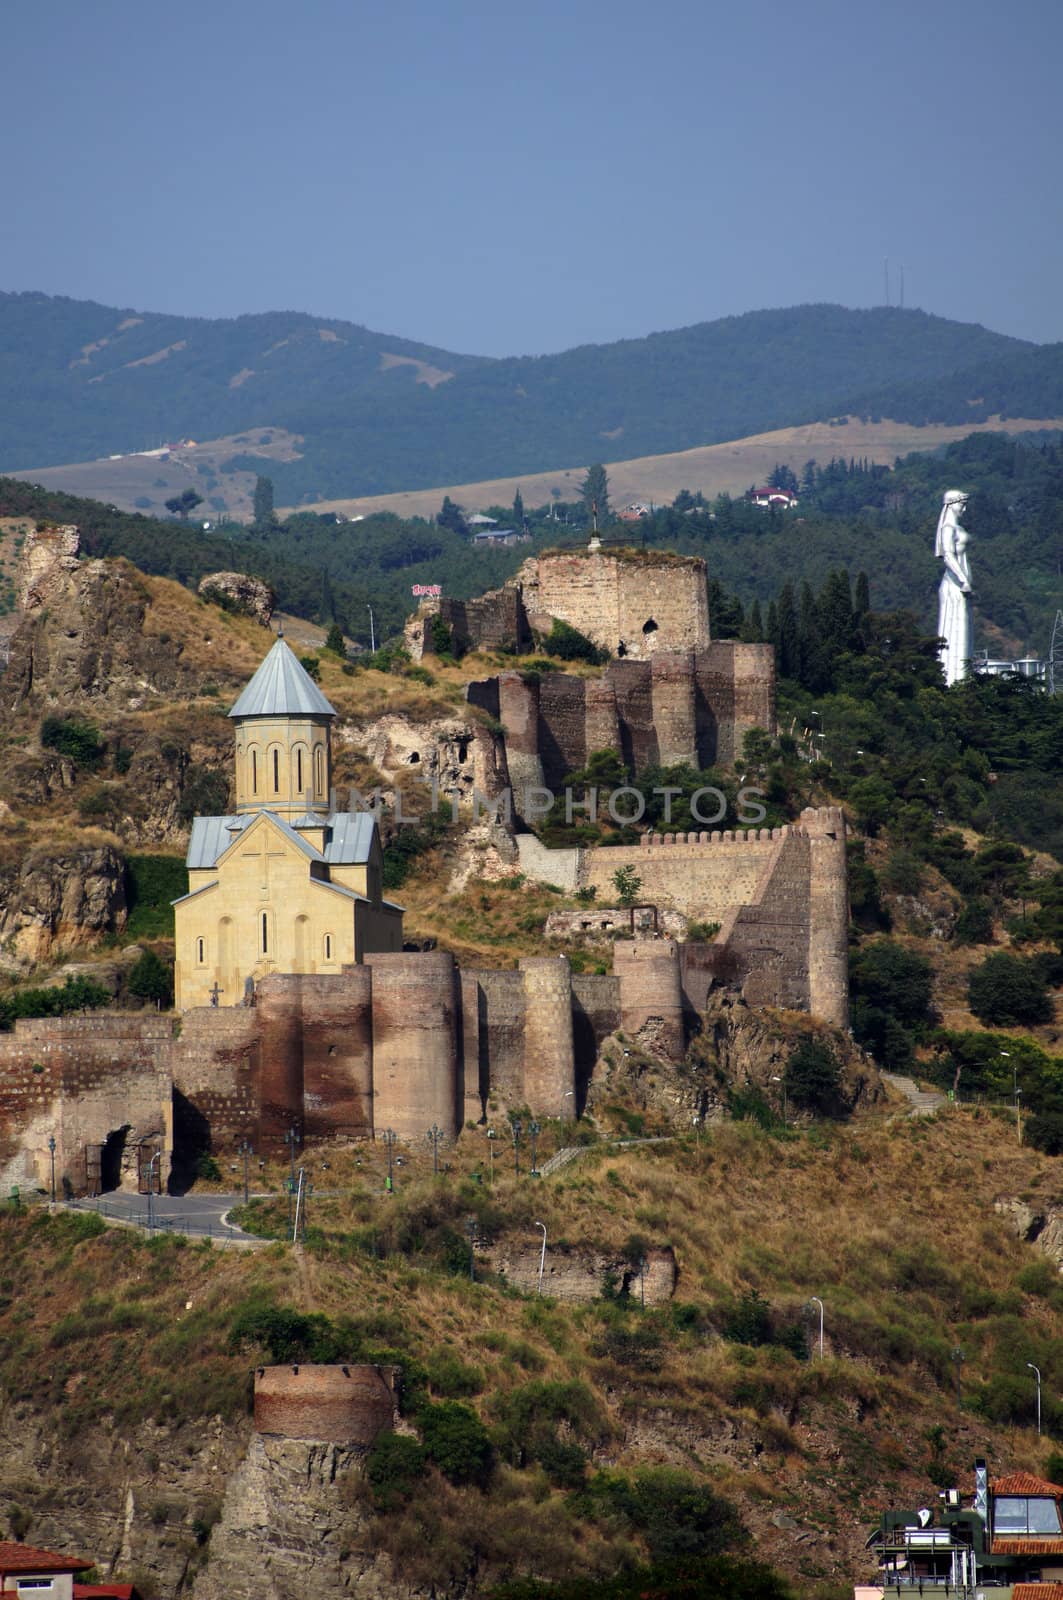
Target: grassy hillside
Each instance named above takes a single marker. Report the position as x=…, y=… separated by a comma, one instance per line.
x=595, y=1413
x=79, y=380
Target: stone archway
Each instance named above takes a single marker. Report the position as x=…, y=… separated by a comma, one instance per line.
x=112, y=1159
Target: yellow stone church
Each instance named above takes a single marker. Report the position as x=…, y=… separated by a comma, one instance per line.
x=287, y=883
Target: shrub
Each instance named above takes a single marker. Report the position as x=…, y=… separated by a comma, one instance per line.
x=394, y=1467
x=676, y=1515
x=207, y=1168
x=75, y=738
x=311, y=666
x=813, y=1078
x=456, y=1441
x=748, y=1321
x=151, y=884
x=568, y=644
x=334, y=641
x=152, y=979
x=1006, y=990
x=204, y=793
x=974, y=925
x=1045, y=1133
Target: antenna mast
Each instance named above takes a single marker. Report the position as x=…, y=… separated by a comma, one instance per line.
x=1055, y=651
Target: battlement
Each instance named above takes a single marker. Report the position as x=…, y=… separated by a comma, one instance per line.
x=346, y=1405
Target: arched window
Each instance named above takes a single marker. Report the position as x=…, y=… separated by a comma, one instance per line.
x=201, y=951
x=276, y=771
x=649, y=626
x=299, y=769
x=254, y=770
x=265, y=933
x=319, y=769
x=328, y=947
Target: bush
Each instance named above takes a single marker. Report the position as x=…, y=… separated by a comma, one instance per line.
x=456, y=1441
x=1006, y=990
x=207, y=1168
x=152, y=979
x=152, y=883
x=204, y=793
x=974, y=925
x=568, y=644
x=311, y=666
x=1045, y=1133
x=334, y=641
x=813, y=1078
x=676, y=1515
x=394, y=1467
x=75, y=738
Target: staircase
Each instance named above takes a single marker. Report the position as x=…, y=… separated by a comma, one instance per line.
x=921, y=1102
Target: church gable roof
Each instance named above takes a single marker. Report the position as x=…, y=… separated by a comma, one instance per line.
x=351, y=835
x=282, y=687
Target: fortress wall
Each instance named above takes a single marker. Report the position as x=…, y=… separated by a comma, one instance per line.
x=633, y=685
x=338, y=1054
x=595, y=1015
x=562, y=730
x=581, y=588
x=80, y=1079
x=563, y=867
x=279, y=1013
x=549, y=1074
x=651, y=1000
x=700, y=967
x=703, y=880
x=417, y=1077
x=736, y=688
x=500, y=1010
x=828, y=950
x=672, y=594
x=347, y=1405
x=214, y=1068
x=474, y=1066
x=769, y=938
x=601, y=718
x=518, y=711
x=672, y=688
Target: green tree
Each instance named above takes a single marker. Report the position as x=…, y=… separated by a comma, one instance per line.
x=456, y=1441
x=74, y=737
x=451, y=516
x=788, y=649
x=263, y=519
x=1006, y=991
x=181, y=504
x=311, y=666
x=595, y=492
x=518, y=510
x=334, y=640
x=627, y=884
x=813, y=1078
x=151, y=978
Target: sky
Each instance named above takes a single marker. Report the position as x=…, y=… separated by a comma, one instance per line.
x=508, y=179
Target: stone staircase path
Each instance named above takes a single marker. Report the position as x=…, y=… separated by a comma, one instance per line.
x=572, y=1152
x=921, y=1102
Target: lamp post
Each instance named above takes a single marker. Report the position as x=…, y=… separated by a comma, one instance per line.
x=372, y=630
x=643, y=1263
x=435, y=1134
x=534, y=1131
x=1015, y=1093
x=51, y=1152
x=1037, y=1371
x=151, y=1190
x=291, y=1139
x=816, y=1301
x=958, y=1358
x=389, y=1141
x=518, y=1128
x=785, y=1108
x=491, y=1137
x=542, y=1255
x=245, y=1150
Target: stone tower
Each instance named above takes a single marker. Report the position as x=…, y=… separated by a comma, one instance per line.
x=283, y=744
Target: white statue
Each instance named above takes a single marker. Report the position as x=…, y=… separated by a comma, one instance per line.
x=954, y=596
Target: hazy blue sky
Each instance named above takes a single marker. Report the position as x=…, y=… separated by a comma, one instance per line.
x=501, y=179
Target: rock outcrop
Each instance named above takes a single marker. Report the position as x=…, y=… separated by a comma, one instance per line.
x=236, y=591
x=1039, y=1225
x=57, y=900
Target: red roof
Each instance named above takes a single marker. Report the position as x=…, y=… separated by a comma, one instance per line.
x=1037, y=1591
x=24, y=1558
x=1025, y=1483
x=105, y=1591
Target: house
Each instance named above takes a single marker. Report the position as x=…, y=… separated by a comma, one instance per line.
x=1011, y=1534
x=770, y=496
x=635, y=512
x=29, y=1574
x=491, y=536
x=286, y=883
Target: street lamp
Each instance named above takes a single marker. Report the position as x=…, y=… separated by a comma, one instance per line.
x=435, y=1133
x=389, y=1140
x=542, y=1256
x=51, y=1152
x=782, y=1080
x=816, y=1301
x=1037, y=1370
x=518, y=1128
x=245, y=1150
x=151, y=1190
x=1015, y=1093
x=534, y=1131
x=491, y=1137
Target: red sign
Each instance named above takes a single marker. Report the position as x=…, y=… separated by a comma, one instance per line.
x=432, y=589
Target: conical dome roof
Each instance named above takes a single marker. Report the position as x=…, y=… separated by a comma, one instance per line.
x=282, y=688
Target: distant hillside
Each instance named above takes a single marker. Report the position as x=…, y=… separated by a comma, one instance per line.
x=378, y=414
x=1019, y=383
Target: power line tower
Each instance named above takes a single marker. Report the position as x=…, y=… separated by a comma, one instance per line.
x=1055, y=652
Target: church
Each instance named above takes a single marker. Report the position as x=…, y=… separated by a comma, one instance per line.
x=287, y=883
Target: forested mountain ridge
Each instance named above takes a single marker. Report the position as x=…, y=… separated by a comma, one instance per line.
x=377, y=413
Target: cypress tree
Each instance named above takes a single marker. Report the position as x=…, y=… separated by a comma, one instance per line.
x=789, y=652
x=862, y=603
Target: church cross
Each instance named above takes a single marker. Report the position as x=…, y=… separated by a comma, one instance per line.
x=264, y=854
x=215, y=992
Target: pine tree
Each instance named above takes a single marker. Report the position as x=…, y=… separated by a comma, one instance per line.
x=773, y=628
x=862, y=604
x=812, y=663
x=518, y=509
x=595, y=492
x=789, y=651
x=264, y=518
x=836, y=611
x=756, y=624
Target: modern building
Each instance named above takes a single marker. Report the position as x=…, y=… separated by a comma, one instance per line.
x=286, y=883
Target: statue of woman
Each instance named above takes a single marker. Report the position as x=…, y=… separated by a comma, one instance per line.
x=954, y=595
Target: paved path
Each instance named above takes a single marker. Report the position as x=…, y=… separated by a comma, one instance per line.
x=198, y=1215
x=921, y=1102
x=572, y=1152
